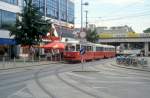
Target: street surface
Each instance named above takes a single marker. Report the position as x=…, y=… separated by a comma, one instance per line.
x=100, y=79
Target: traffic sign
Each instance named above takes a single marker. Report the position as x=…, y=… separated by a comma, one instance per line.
x=82, y=51
x=82, y=34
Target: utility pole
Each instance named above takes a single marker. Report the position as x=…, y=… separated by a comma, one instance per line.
x=81, y=16
x=86, y=3
x=45, y=9
x=86, y=19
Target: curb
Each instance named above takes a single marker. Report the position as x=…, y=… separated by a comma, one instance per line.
x=23, y=67
x=86, y=71
x=130, y=68
x=30, y=66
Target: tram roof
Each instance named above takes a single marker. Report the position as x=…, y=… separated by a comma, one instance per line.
x=108, y=46
x=102, y=45
x=89, y=43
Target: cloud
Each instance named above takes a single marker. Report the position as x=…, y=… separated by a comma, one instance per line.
x=122, y=2
x=116, y=2
x=76, y=1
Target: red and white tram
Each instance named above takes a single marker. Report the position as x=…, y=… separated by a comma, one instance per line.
x=93, y=51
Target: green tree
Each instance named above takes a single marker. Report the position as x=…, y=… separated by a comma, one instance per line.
x=92, y=36
x=147, y=30
x=30, y=25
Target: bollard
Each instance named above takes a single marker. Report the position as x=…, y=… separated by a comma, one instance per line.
x=24, y=60
x=60, y=57
x=3, y=62
x=14, y=62
x=39, y=58
x=55, y=57
x=32, y=59
x=51, y=57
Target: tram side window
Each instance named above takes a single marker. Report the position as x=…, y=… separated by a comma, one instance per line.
x=66, y=48
x=99, y=48
x=111, y=49
x=92, y=48
x=89, y=48
x=70, y=48
x=77, y=47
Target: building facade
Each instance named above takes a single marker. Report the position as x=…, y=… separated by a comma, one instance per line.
x=61, y=13
x=115, y=30
x=126, y=38
x=62, y=10
x=8, y=10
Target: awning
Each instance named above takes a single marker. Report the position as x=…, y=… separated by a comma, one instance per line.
x=54, y=45
x=6, y=41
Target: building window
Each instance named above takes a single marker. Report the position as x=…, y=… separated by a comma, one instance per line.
x=40, y=4
x=52, y=8
x=11, y=1
x=7, y=19
x=70, y=10
x=63, y=10
x=0, y=18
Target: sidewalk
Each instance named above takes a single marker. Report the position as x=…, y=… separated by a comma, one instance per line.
x=23, y=64
x=14, y=65
x=138, y=67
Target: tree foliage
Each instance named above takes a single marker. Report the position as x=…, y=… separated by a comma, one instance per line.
x=92, y=36
x=30, y=25
x=147, y=30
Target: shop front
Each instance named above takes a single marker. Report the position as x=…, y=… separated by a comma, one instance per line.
x=7, y=48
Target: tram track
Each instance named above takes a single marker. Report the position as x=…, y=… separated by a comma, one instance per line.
x=16, y=78
x=38, y=74
x=50, y=70
x=26, y=75
x=56, y=73
x=51, y=95
x=57, y=70
x=76, y=87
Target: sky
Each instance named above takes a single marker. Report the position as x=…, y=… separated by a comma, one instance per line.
x=134, y=13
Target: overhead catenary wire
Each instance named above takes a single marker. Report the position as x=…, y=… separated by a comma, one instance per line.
x=121, y=18
x=127, y=17
x=129, y=13
x=116, y=16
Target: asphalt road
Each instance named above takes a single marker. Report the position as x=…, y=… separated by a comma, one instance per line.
x=99, y=80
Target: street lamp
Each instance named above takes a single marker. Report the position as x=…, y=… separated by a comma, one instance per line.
x=86, y=3
x=86, y=12
x=45, y=9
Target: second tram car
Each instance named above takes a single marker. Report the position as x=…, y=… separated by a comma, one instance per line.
x=93, y=51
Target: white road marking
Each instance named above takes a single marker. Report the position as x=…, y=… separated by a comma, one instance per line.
x=21, y=94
